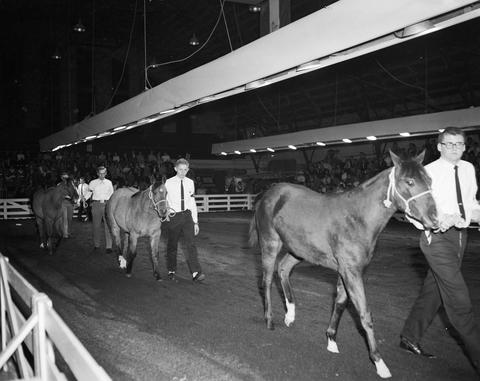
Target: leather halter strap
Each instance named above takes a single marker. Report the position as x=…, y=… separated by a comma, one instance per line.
x=392, y=190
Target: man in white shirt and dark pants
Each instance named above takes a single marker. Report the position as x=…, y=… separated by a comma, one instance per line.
x=454, y=189
x=180, y=197
x=102, y=190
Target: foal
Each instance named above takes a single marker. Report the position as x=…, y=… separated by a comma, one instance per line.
x=338, y=231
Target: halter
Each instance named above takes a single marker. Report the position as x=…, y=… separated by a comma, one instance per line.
x=392, y=189
x=170, y=211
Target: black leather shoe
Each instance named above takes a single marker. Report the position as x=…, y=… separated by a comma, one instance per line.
x=414, y=348
x=109, y=251
x=172, y=276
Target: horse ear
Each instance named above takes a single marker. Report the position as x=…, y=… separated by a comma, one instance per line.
x=420, y=157
x=396, y=159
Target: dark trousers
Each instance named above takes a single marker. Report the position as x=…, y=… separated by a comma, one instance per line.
x=444, y=284
x=181, y=223
x=98, y=215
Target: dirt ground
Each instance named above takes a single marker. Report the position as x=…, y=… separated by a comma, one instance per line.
x=140, y=329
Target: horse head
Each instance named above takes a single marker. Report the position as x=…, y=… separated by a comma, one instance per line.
x=69, y=191
x=410, y=188
x=158, y=197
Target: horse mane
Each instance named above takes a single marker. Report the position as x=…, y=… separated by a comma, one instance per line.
x=155, y=185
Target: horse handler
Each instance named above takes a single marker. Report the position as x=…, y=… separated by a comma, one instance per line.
x=102, y=190
x=180, y=197
x=454, y=188
x=67, y=209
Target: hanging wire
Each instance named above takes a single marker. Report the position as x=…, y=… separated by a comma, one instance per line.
x=222, y=2
x=145, y=43
x=398, y=79
x=92, y=107
x=226, y=26
x=126, y=56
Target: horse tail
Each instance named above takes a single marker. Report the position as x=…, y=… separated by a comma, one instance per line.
x=253, y=233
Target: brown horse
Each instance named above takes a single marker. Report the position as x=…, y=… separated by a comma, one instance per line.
x=134, y=214
x=338, y=231
x=47, y=207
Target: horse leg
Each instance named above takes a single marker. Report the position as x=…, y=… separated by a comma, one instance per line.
x=122, y=259
x=284, y=269
x=41, y=232
x=132, y=252
x=154, y=241
x=270, y=250
x=354, y=284
x=338, y=308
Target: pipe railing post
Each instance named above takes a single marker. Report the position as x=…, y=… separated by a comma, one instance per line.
x=40, y=302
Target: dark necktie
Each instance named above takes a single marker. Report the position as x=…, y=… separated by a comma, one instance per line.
x=182, y=196
x=459, y=193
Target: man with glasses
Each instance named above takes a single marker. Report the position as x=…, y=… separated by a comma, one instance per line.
x=454, y=189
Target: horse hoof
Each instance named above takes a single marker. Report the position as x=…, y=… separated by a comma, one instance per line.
x=382, y=369
x=128, y=275
x=157, y=277
x=270, y=325
x=332, y=346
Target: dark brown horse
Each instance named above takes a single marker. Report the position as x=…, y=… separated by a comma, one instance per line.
x=133, y=214
x=47, y=207
x=338, y=231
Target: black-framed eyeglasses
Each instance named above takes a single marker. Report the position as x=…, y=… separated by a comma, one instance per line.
x=451, y=145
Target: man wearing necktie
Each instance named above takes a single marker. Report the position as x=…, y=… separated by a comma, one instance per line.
x=454, y=189
x=180, y=197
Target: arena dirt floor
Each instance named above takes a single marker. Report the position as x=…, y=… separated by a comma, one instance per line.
x=140, y=329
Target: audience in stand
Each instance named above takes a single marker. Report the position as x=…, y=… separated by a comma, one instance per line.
x=21, y=173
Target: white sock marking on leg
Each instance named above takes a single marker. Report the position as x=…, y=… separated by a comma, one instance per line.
x=290, y=315
x=122, y=262
x=332, y=346
x=382, y=369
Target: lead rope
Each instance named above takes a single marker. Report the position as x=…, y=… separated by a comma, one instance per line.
x=392, y=189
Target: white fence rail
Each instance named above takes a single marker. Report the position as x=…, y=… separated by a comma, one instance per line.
x=30, y=325
x=15, y=208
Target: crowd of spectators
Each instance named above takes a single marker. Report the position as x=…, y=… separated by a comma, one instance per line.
x=21, y=172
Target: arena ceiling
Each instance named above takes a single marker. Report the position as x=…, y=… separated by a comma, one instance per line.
x=435, y=73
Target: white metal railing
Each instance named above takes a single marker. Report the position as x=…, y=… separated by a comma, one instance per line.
x=30, y=324
x=14, y=208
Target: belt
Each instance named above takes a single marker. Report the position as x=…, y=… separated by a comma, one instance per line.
x=101, y=201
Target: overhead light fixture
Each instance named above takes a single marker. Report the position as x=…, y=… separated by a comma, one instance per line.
x=238, y=152
x=291, y=146
x=346, y=140
x=194, y=40
x=253, y=150
x=256, y=84
x=90, y=137
x=315, y=64
x=322, y=144
x=254, y=8
x=371, y=137
x=270, y=149
x=415, y=29
x=441, y=129
x=206, y=99
x=79, y=27
x=56, y=54
x=223, y=153
x=404, y=133
x=169, y=111
x=119, y=128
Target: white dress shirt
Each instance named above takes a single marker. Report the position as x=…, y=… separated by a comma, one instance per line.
x=174, y=195
x=101, y=189
x=84, y=191
x=444, y=191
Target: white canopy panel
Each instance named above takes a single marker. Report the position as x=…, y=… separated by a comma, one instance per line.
x=341, y=31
